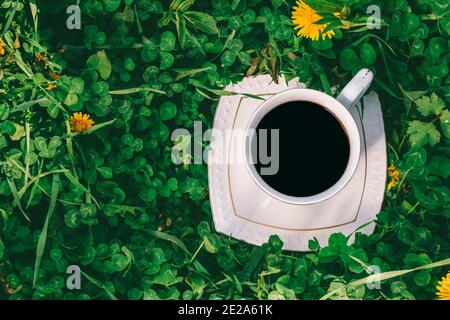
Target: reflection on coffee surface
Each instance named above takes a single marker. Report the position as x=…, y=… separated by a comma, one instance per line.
x=313, y=149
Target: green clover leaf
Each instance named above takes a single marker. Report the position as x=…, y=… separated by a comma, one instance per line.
x=422, y=133
x=428, y=106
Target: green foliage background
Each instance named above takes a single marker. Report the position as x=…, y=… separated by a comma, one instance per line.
x=138, y=226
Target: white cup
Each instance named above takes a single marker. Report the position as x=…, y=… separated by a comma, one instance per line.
x=349, y=96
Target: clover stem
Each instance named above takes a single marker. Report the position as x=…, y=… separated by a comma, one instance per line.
x=197, y=251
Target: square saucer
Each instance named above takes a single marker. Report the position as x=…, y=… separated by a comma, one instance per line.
x=241, y=209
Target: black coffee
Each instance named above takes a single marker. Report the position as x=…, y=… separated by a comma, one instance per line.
x=313, y=149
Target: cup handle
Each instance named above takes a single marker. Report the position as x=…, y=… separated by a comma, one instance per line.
x=356, y=88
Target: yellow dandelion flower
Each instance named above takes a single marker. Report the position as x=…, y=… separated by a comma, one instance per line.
x=394, y=175
x=80, y=122
x=2, y=47
x=443, y=288
x=304, y=18
x=51, y=86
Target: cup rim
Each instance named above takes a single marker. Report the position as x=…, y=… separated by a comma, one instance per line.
x=333, y=106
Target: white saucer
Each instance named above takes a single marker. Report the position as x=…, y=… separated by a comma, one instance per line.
x=244, y=211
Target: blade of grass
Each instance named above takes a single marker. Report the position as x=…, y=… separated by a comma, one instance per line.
x=23, y=107
x=100, y=125
x=205, y=95
x=183, y=73
x=10, y=18
x=135, y=90
x=167, y=237
x=60, y=200
x=100, y=285
x=16, y=164
x=27, y=154
x=43, y=236
x=385, y=63
x=387, y=89
x=22, y=65
x=125, y=208
x=380, y=40
x=385, y=276
x=197, y=251
x=35, y=185
x=94, y=128
x=34, y=14
x=16, y=197
x=361, y=227
x=41, y=175
x=138, y=22
x=325, y=83
x=220, y=92
x=194, y=40
x=75, y=181
x=257, y=254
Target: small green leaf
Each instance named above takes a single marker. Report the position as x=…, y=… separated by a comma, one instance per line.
x=105, y=172
x=368, y=54
x=4, y=111
x=160, y=132
x=100, y=88
x=212, y=242
x=150, y=294
x=423, y=133
x=397, y=287
x=167, y=60
x=275, y=243
x=76, y=85
x=40, y=143
x=149, y=52
x=272, y=22
x=439, y=7
x=3, y=141
x=120, y=262
x=422, y=278
x=71, y=99
x=428, y=106
x=111, y=5
x=313, y=245
x=43, y=235
x=322, y=45
x=235, y=45
x=337, y=241
x=409, y=22
x=203, y=228
x=228, y=58
x=168, y=110
x=147, y=194
x=202, y=21
x=349, y=59
x=417, y=47
x=100, y=62
x=277, y=3
x=168, y=41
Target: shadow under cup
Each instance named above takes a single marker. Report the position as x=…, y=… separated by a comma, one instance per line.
x=300, y=149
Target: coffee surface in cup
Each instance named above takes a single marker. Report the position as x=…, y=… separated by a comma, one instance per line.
x=313, y=148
